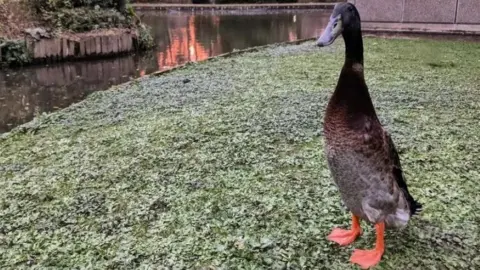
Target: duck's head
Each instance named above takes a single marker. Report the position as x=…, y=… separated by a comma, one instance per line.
x=345, y=19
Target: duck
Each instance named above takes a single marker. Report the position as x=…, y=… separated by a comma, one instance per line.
x=360, y=153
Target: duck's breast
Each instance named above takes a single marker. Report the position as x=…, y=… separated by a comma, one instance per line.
x=356, y=158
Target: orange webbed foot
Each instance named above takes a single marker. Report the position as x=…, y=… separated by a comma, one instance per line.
x=346, y=237
x=369, y=258
x=343, y=237
x=366, y=258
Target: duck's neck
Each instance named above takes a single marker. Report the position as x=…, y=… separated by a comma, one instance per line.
x=353, y=46
x=353, y=67
x=351, y=94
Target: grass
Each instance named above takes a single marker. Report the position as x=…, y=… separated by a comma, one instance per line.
x=220, y=164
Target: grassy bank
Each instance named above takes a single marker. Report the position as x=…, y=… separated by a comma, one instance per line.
x=221, y=164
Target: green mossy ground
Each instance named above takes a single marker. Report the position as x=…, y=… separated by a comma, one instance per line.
x=221, y=164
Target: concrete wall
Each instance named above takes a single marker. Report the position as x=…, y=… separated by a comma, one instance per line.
x=419, y=11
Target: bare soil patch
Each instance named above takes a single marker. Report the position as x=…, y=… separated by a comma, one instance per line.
x=15, y=16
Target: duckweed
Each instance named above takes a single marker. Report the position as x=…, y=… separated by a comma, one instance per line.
x=220, y=165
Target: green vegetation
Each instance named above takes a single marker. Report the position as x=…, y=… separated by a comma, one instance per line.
x=81, y=16
x=86, y=19
x=221, y=164
x=14, y=18
x=13, y=52
x=145, y=39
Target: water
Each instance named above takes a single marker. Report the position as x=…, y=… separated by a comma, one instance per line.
x=180, y=36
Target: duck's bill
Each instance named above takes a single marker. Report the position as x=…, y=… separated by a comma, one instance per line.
x=332, y=31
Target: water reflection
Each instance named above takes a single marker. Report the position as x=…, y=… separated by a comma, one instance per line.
x=180, y=36
x=25, y=93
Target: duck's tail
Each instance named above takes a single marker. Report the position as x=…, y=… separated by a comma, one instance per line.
x=415, y=206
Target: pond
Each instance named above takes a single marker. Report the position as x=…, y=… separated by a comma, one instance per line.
x=180, y=37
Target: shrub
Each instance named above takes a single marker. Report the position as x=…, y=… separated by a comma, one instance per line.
x=92, y=3
x=145, y=39
x=53, y=5
x=86, y=19
x=14, y=52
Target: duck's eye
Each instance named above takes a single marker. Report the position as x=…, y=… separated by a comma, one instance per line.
x=335, y=25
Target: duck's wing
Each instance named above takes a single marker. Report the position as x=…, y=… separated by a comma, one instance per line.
x=415, y=207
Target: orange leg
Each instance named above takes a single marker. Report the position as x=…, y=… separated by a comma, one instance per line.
x=369, y=258
x=346, y=237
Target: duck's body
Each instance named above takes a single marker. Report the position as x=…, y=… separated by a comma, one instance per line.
x=361, y=155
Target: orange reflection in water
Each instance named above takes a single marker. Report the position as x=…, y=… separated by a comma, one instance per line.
x=292, y=35
x=185, y=47
x=188, y=43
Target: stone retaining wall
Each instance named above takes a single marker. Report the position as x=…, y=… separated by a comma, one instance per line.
x=81, y=46
x=456, y=18
x=213, y=1
x=162, y=1
x=420, y=11
x=78, y=46
x=190, y=7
